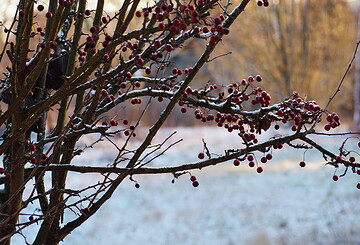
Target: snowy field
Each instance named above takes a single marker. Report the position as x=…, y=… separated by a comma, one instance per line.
x=285, y=204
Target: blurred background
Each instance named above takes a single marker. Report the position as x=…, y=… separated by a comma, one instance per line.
x=295, y=45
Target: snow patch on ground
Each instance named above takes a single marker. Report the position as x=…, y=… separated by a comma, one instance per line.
x=285, y=204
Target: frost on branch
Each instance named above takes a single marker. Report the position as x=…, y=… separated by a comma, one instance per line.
x=78, y=64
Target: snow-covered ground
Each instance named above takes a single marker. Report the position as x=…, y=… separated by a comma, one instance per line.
x=285, y=204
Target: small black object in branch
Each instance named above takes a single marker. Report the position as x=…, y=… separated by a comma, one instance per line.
x=56, y=72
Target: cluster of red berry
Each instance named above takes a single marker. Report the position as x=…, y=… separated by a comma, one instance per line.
x=194, y=181
x=264, y=3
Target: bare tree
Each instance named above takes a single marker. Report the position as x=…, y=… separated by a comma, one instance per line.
x=356, y=96
x=294, y=46
x=85, y=72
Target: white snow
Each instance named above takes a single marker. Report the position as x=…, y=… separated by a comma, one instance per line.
x=285, y=204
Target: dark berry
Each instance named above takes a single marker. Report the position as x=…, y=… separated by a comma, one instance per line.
x=269, y=156
x=32, y=147
x=40, y=7
x=49, y=15
x=236, y=162
x=201, y=155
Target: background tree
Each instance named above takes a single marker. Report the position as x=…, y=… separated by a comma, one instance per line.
x=123, y=61
x=356, y=95
x=294, y=44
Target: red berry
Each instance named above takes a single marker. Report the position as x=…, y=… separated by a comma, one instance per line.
x=94, y=29
x=302, y=164
x=48, y=15
x=339, y=159
x=263, y=159
x=161, y=26
x=183, y=110
x=138, y=14
x=134, y=101
x=358, y=186
x=52, y=44
x=259, y=170
x=108, y=38
x=160, y=99
x=123, y=85
x=192, y=178
x=157, y=44
x=2, y=170
x=269, y=156
x=183, y=26
x=250, y=79
x=43, y=156
x=40, y=7
x=217, y=20
x=205, y=29
x=21, y=13
x=258, y=78
x=148, y=70
x=32, y=147
x=201, y=155
x=251, y=164
x=335, y=177
x=113, y=122
x=87, y=12
x=352, y=159
x=195, y=183
x=250, y=158
x=169, y=47
x=104, y=20
x=105, y=44
x=174, y=30
x=8, y=176
x=236, y=162
x=104, y=92
x=137, y=185
x=358, y=172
